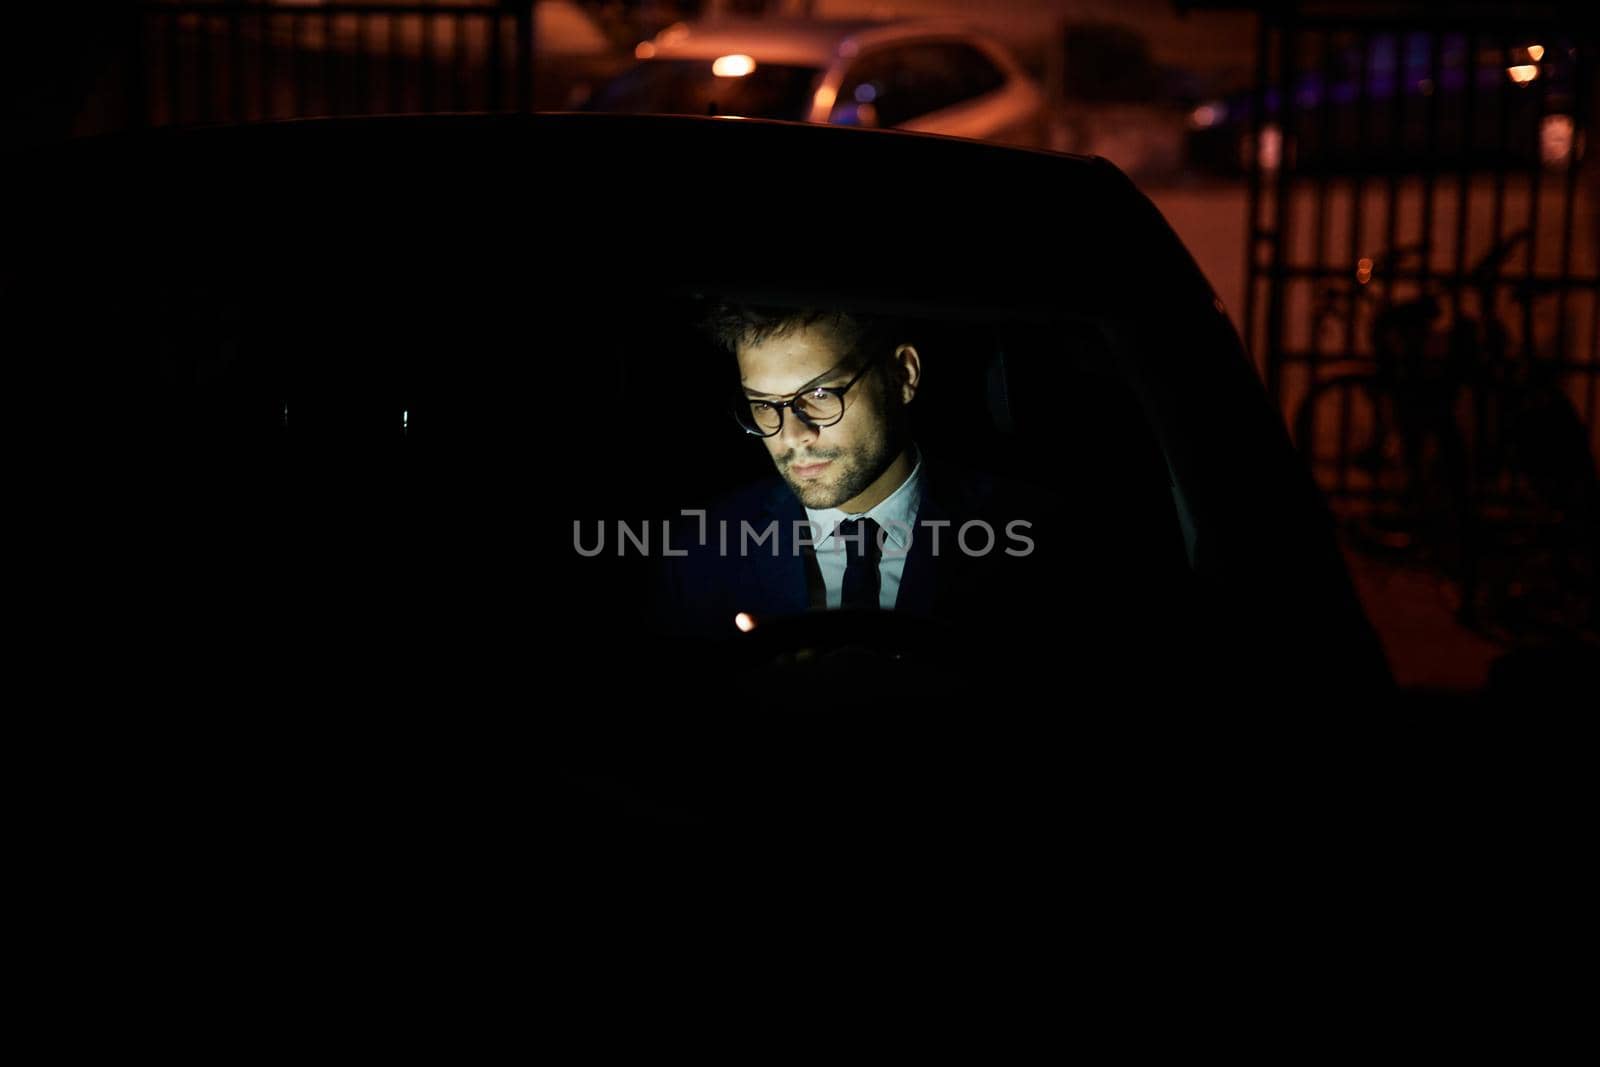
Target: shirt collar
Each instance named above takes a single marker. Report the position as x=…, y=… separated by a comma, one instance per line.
x=895, y=514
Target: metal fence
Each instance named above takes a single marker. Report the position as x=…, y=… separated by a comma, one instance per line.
x=1423, y=282
x=236, y=62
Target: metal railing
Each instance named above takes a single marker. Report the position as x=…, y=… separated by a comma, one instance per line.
x=1423, y=280
x=229, y=61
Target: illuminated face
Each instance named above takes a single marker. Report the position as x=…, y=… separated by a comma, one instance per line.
x=857, y=461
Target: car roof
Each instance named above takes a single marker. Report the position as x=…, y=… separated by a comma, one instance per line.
x=588, y=164
x=800, y=42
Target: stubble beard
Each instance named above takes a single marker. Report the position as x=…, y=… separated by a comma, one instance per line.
x=849, y=474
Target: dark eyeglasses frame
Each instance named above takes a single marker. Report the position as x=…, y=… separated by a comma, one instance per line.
x=836, y=390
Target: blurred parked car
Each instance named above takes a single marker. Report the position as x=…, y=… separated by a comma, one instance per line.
x=1115, y=101
x=930, y=77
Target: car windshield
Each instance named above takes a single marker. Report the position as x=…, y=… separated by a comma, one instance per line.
x=691, y=87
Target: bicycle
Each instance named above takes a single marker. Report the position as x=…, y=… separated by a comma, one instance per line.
x=1476, y=464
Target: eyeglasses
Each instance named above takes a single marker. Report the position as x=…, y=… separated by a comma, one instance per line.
x=817, y=407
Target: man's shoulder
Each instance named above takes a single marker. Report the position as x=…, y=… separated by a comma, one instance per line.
x=753, y=506
x=769, y=495
x=965, y=490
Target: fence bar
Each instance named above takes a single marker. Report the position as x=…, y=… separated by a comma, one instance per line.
x=525, y=59
x=1287, y=127
x=296, y=68
x=1592, y=413
x=174, y=70
x=1357, y=225
x=1319, y=235
x=427, y=72
x=1501, y=155
x=458, y=63
x=1569, y=193
x=1253, y=234
x=235, y=69
x=139, y=72
x=1391, y=208
x=264, y=63
x=1358, y=184
x=1325, y=116
x=1535, y=188
x=496, y=76
x=395, y=77
x=362, y=97
x=1430, y=169
x=1464, y=179
x=202, y=69
x=329, y=73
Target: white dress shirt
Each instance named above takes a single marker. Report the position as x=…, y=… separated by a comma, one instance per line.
x=896, y=515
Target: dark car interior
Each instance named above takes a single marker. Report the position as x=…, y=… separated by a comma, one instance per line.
x=377, y=443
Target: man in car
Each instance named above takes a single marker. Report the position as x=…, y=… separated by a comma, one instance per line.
x=857, y=517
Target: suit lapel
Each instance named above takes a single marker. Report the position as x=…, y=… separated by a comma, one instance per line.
x=947, y=497
x=919, y=581
x=781, y=584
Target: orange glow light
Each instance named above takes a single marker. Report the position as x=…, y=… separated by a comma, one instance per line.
x=745, y=622
x=646, y=50
x=734, y=66
x=824, y=99
x=1269, y=148
x=1364, y=271
x=1523, y=73
x=1536, y=52
x=1556, y=139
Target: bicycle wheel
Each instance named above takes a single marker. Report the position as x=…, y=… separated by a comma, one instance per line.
x=1345, y=427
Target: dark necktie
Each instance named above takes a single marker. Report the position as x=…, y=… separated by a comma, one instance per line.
x=861, y=566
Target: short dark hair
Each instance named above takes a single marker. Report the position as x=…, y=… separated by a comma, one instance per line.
x=733, y=325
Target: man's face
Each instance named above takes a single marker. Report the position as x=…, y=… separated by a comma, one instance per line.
x=828, y=466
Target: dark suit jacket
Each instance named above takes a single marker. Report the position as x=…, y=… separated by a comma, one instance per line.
x=705, y=590
x=1106, y=596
